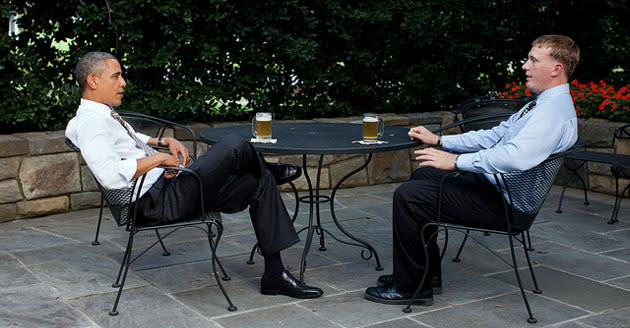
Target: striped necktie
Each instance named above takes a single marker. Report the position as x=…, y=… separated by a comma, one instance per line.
x=139, y=144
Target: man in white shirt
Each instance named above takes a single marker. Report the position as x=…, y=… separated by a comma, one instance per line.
x=233, y=174
x=544, y=126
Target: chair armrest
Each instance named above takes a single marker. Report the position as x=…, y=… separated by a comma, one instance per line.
x=197, y=177
x=167, y=123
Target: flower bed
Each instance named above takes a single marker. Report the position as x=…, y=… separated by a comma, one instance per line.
x=592, y=100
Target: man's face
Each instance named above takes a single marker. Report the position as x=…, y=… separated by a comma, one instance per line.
x=109, y=86
x=540, y=68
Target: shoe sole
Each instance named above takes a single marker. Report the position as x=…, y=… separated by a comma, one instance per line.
x=436, y=290
x=279, y=292
x=417, y=301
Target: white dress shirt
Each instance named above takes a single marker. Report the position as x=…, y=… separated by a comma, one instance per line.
x=107, y=148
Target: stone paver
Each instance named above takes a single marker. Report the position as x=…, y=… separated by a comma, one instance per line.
x=52, y=276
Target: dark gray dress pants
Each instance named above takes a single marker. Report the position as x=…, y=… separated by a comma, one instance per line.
x=234, y=177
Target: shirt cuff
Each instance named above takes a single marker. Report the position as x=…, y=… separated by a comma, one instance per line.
x=464, y=162
x=445, y=141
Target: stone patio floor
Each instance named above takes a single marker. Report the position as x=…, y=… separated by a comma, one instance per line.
x=51, y=275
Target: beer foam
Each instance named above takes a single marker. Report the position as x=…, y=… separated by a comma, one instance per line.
x=370, y=119
x=263, y=116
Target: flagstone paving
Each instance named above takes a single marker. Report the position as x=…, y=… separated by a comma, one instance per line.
x=52, y=276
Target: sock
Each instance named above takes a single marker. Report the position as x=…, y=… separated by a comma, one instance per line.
x=273, y=265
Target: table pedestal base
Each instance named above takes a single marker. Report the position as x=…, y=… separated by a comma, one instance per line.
x=314, y=200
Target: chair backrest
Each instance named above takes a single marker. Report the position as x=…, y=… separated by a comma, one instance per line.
x=494, y=109
x=148, y=126
x=528, y=189
x=119, y=201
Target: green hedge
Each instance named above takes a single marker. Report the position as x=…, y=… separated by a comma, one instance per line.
x=221, y=59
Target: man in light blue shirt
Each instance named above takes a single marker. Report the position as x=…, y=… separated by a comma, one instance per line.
x=542, y=127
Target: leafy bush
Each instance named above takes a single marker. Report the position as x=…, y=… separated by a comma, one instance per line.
x=591, y=100
x=220, y=60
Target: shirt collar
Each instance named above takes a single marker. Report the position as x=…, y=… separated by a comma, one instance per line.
x=553, y=92
x=94, y=107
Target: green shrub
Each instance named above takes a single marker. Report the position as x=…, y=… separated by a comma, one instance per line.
x=221, y=60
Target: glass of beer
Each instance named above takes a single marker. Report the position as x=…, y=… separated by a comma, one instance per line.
x=261, y=126
x=373, y=127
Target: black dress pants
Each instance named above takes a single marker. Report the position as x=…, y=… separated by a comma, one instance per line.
x=234, y=177
x=469, y=199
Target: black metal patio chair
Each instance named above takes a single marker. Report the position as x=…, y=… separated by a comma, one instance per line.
x=121, y=203
x=577, y=160
x=154, y=127
x=526, y=192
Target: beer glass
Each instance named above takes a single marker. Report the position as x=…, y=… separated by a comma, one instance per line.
x=261, y=126
x=373, y=127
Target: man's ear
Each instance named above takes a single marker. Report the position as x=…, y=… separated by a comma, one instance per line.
x=91, y=81
x=558, y=69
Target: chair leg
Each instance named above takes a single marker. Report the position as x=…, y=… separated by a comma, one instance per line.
x=456, y=259
x=564, y=188
x=164, y=251
x=445, y=244
x=251, y=261
x=618, y=199
x=124, y=268
x=213, y=245
x=584, y=189
x=531, y=318
x=574, y=174
x=529, y=241
x=213, y=249
x=536, y=290
x=98, y=225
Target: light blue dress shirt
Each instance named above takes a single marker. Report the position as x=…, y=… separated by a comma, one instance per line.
x=550, y=127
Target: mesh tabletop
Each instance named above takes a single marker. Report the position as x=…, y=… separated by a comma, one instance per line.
x=316, y=138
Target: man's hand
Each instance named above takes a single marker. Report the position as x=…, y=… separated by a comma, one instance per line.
x=437, y=158
x=145, y=164
x=176, y=148
x=423, y=135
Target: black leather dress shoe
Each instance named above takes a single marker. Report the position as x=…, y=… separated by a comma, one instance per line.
x=284, y=173
x=286, y=284
x=389, y=295
x=388, y=280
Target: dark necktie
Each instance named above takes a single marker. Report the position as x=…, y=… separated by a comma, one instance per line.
x=529, y=107
x=139, y=144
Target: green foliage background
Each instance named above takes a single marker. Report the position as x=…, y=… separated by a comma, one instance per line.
x=196, y=60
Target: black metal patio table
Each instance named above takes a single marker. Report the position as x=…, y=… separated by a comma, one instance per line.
x=320, y=139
